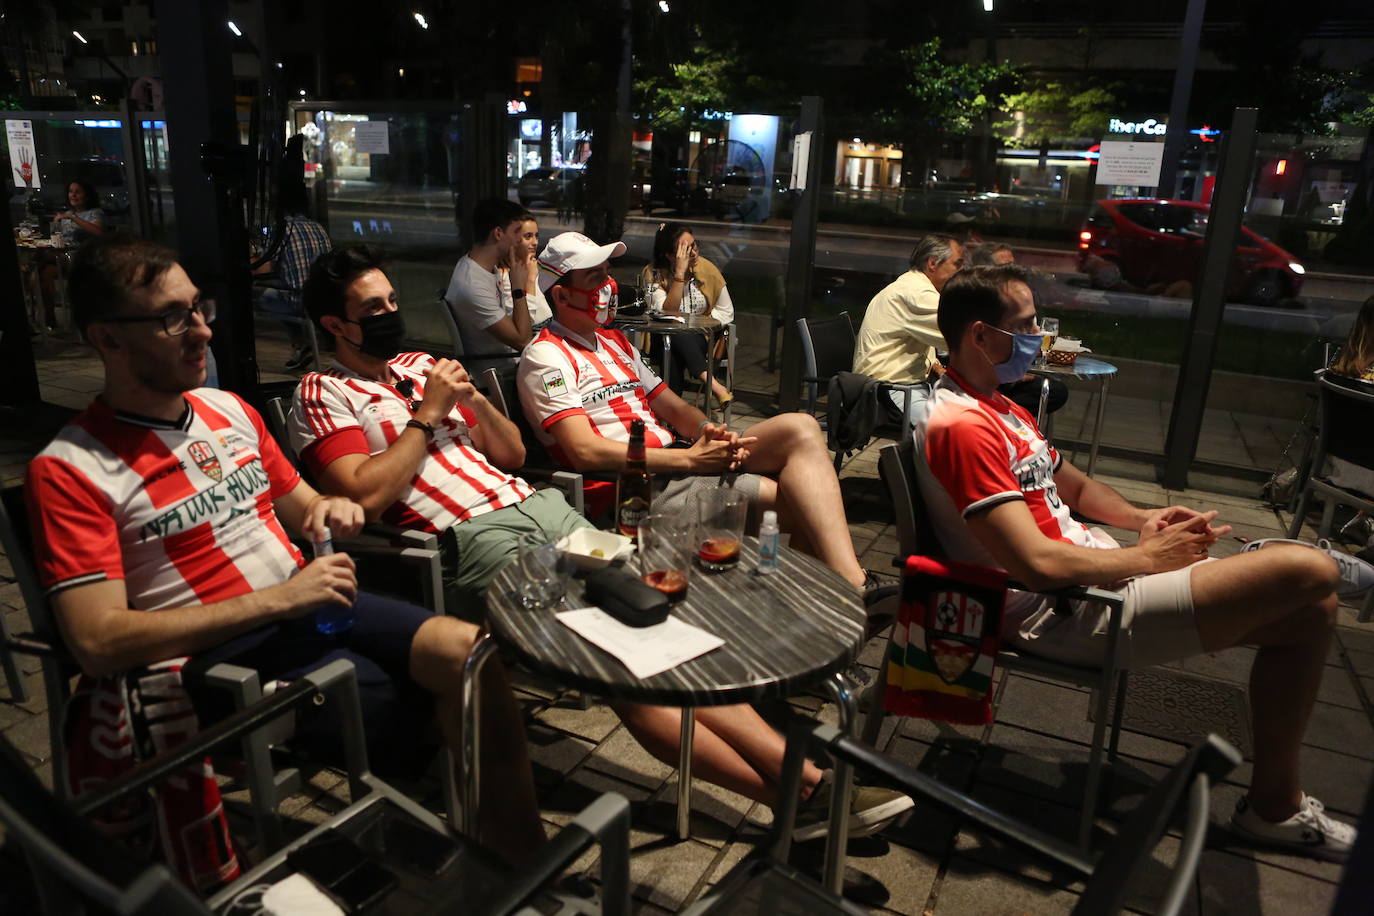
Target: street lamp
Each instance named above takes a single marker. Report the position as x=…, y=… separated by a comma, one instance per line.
x=421, y=21
x=79, y=37
x=663, y=5
x=235, y=29
x=987, y=6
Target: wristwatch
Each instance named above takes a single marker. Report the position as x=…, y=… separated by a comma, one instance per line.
x=518, y=293
x=422, y=426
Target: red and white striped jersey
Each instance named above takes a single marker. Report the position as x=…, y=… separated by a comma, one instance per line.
x=605, y=379
x=338, y=413
x=181, y=511
x=974, y=452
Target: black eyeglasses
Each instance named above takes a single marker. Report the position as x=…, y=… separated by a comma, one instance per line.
x=174, y=321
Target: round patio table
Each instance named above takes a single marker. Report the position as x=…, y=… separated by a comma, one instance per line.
x=1088, y=369
x=702, y=325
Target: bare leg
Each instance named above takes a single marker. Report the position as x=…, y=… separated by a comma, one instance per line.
x=1281, y=599
x=718, y=391
x=732, y=747
x=510, y=823
x=792, y=448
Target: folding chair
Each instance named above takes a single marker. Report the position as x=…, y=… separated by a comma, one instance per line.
x=76, y=868
x=1345, y=415
x=764, y=882
x=828, y=348
x=897, y=469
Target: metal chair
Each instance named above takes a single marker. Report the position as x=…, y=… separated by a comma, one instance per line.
x=827, y=348
x=1345, y=412
x=267, y=786
x=896, y=467
x=75, y=868
x=764, y=882
x=281, y=303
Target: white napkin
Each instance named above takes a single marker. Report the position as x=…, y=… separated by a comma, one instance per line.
x=296, y=896
x=646, y=651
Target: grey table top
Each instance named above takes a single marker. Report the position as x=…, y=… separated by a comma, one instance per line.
x=781, y=632
x=1083, y=367
x=697, y=324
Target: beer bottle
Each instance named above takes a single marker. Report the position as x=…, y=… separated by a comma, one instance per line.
x=634, y=490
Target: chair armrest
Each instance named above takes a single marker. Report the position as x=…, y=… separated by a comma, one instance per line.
x=31, y=644
x=605, y=821
x=569, y=483
x=412, y=538
x=335, y=675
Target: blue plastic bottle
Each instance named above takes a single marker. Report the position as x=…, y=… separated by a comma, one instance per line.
x=331, y=618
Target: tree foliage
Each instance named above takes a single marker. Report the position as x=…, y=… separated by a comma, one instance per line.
x=943, y=97
x=1058, y=110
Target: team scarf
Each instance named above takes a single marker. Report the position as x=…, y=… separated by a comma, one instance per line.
x=944, y=646
x=113, y=723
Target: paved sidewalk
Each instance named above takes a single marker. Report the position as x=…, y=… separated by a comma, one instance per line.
x=1029, y=762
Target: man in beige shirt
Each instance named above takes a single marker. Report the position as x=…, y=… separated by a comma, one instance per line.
x=899, y=336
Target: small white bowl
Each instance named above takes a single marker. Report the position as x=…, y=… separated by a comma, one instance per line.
x=580, y=544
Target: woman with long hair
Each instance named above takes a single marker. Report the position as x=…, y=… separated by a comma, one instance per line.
x=680, y=281
x=524, y=252
x=1357, y=356
x=83, y=219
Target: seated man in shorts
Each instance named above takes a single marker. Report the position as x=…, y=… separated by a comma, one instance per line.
x=999, y=495
x=160, y=515
x=582, y=384
x=414, y=442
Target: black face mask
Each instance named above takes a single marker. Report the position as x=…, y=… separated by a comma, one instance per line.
x=382, y=334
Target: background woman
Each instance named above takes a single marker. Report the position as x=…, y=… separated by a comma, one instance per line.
x=525, y=251
x=681, y=281
x=81, y=220
x=1356, y=359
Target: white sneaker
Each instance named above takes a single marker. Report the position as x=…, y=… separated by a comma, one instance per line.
x=1309, y=831
x=1357, y=576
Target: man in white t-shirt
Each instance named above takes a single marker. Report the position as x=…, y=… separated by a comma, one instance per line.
x=1001, y=496
x=495, y=313
x=582, y=384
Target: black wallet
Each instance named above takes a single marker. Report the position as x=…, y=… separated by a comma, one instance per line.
x=626, y=598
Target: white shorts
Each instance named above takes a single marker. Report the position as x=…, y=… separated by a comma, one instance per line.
x=1158, y=625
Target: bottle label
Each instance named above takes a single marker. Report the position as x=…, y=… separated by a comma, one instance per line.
x=768, y=553
x=631, y=515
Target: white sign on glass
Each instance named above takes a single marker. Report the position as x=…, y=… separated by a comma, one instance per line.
x=371, y=137
x=1123, y=162
x=801, y=160
x=23, y=154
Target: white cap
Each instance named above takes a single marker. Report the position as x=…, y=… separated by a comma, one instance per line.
x=770, y=518
x=572, y=251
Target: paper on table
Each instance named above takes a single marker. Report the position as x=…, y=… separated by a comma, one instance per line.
x=646, y=651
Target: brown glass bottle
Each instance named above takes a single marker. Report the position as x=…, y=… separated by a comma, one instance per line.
x=635, y=490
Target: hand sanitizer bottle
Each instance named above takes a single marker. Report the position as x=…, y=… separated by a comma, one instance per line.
x=768, y=543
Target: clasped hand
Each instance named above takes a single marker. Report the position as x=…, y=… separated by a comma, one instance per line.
x=1178, y=536
x=718, y=448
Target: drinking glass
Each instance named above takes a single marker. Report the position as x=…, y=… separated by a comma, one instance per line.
x=1049, y=328
x=666, y=543
x=543, y=570
x=720, y=527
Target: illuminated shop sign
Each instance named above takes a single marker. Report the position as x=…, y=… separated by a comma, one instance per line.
x=1148, y=127
x=516, y=106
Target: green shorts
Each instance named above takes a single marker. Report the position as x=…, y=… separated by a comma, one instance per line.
x=473, y=552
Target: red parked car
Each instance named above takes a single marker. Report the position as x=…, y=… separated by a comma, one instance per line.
x=1160, y=241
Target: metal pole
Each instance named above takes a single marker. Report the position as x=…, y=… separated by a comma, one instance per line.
x=208, y=168
x=135, y=166
x=1178, y=102
x=471, y=739
x=1209, y=302
x=18, y=371
x=801, y=255
x=837, y=841
x=684, y=772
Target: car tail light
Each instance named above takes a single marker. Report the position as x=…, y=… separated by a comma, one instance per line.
x=1084, y=238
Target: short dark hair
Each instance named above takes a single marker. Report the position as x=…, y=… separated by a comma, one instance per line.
x=495, y=213
x=982, y=255
x=107, y=270
x=331, y=275
x=975, y=294
x=936, y=245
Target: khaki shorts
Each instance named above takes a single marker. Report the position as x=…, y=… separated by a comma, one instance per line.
x=674, y=494
x=1157, y=626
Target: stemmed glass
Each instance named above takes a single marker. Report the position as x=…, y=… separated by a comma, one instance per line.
x=1049, y=328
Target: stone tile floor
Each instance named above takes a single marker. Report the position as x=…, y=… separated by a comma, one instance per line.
x=1029, y=762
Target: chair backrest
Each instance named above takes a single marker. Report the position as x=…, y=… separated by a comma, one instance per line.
x=18, y=544
x=455, y=339
x=1186, y=788
x=827, y=346
x=277, y=413
x=897, y=468
x=498, y=383
x=1347, y=415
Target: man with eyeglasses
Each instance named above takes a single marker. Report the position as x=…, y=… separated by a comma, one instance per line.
x=999, y=495
x=160, y=518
